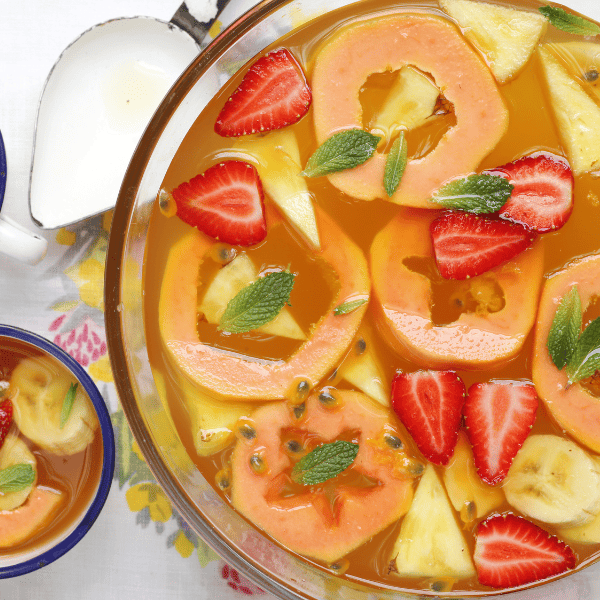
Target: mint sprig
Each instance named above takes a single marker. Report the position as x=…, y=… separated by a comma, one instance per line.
x=67, y=406
x=395, y=165
x=324, y=462
x=565, y=329
x=257, y=303
x=16, y=478
x=348, y=307
x=585, y=360
x=343, y=150
x=568, y=22
x=477, y=194
x=578, y=353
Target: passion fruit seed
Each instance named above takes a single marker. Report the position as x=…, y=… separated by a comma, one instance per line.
x=591, y=75
x=299, y=391
x=340, y=566
x=416, y=468
x=441, y=585
x=223, y=254
x=468, y=512
x=392, y=441
x=223, y=479
x=328, y=400
x=257, y=464
x=245, y=431
x=299, y=410
x=166, y=204
x=360, y=346
x=294, y=446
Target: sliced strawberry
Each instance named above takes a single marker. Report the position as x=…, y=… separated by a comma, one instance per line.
x=542, y=198
x=225, y=202
x=429, y=403
x=272, y=95
x=498, y=419
x=6, y=419
x=511, y=551
x=466, y=245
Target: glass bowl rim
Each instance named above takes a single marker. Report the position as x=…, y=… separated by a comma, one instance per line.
x=108, y=454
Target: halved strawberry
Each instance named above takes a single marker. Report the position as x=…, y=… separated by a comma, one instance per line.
x=225, y=202
x=542, y=198
x=466, y=245
x=429, y=403
x=498, y=419
x=272, y=95
x=511, y=551
x=6, y=419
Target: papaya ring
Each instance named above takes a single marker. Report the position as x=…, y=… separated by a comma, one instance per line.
x=228, y=375
x=574, y=407
x=434, y=46
x=402, y=300
x=305, y=522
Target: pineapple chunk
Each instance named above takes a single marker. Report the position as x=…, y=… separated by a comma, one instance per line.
x=505, y=36
x=409, y=104
x=232, y=278
x=430, y=543
x=582, y=60
x=470, y=496
x=577, y=115
x=278, y=163
x=364, y=370
x=212, y=420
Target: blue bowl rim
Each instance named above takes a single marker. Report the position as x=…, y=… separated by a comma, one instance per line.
x=108, y=443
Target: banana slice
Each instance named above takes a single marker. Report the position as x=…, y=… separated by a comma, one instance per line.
x=38, y=389
x=554, y=481
x=14, y=452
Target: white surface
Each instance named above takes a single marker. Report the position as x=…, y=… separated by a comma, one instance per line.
x=117, y=560
x=99, y=98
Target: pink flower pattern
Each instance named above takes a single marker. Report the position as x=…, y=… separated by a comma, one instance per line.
x=85, y=343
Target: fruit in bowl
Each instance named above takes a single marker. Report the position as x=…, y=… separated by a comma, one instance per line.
x=355, y=300
x=56, y=452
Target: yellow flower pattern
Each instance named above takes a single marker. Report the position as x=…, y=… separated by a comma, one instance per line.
x=149, y=495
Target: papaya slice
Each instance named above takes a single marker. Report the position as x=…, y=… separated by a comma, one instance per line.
x=574, y=407
x=309, y=522
x=402, y=300
x=434, y=46
x=17, y=526
x=232, y=376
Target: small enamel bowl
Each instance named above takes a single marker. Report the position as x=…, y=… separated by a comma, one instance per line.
x=81, y=515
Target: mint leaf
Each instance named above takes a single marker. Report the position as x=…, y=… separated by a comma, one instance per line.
x=348, y=307
x=16, y=478
x=67, y=406
x=324, y=462
x=258, y=303
x=395, y=165
x=565, y=329
x=585, y=360
x=343, y=150
x=568, y=22
x=476, y=194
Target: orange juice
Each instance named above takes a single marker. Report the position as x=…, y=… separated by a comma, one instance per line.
x=532, y=127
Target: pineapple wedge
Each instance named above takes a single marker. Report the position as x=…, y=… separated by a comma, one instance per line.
x=577, y=115
x=408, y=105
x=470, y=496
x=364, y=370
x=212, y=420
x=430, y=543
x=232, y=278
x=582, y=60
x=277, y=158
x=505, y=36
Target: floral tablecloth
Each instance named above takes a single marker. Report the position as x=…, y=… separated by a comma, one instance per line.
x=139, y=547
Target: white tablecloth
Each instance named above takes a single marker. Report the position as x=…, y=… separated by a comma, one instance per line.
x=138, y=548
